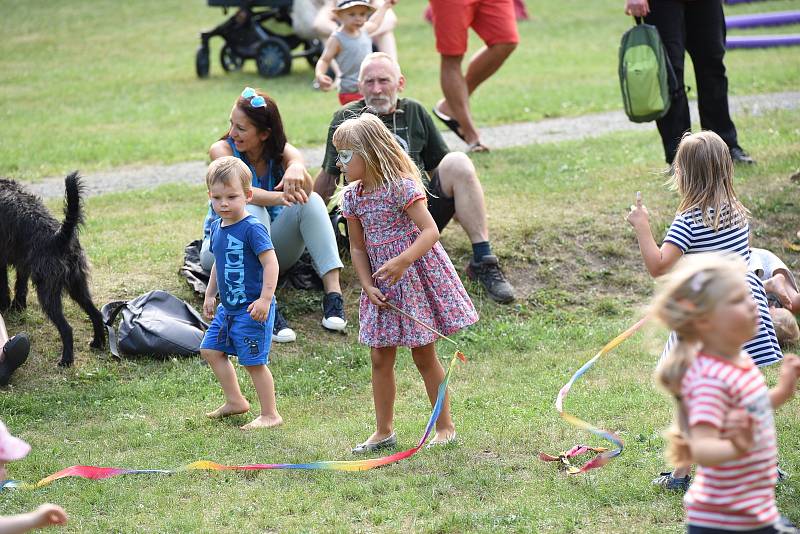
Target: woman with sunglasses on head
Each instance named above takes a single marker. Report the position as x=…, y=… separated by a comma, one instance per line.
x=282, y=199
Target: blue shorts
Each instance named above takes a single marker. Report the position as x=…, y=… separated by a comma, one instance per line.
x=239, y=334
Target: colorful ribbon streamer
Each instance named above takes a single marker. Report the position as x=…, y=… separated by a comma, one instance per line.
x=99, y=473
x=604, y=455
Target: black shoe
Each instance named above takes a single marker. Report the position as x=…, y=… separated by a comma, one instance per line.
x=740, y=156
x=333, y=312
x=281, y=331
x=14, y=353
x=488, y=272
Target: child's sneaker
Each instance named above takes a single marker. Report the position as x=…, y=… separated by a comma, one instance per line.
x=281, y=331
x=669, y=482
x=783, y=476
x=785, y=526
x=333, y=312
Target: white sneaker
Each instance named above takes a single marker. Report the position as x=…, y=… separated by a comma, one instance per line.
x=281, y=331
x=333, y=312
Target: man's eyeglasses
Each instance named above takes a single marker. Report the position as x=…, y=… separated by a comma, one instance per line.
x=345, y=156
x=256, y=100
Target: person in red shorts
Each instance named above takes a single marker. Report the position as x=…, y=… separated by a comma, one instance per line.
x=495, y=23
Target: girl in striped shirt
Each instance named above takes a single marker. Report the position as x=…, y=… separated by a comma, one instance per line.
x=709, y=218
x=724, y=416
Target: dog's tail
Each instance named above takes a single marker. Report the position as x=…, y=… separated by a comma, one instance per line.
x=73, y=213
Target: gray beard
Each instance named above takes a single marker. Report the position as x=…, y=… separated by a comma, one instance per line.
x=385, y=106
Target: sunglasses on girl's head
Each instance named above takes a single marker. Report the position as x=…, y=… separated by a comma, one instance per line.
x=257, y=101
x=345, y=156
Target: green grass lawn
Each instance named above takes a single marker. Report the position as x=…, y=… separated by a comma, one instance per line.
x=98, y=84
x=557, y=216
x=113, y=82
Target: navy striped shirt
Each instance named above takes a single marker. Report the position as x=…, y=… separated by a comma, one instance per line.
x=692, y=236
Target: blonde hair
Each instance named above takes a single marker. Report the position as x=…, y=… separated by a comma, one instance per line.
x=229, y=169
x=786, y=328
x=384, y=158
x=703, y=176
x=690, y=292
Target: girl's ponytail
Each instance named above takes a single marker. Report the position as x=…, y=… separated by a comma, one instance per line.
x=690, y=293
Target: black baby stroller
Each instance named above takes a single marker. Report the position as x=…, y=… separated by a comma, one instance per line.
x=246, y=37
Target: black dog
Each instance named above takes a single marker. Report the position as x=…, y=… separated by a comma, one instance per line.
x=40, y=248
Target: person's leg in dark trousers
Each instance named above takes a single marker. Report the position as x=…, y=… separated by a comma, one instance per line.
x=705, y=42
x=669, y=17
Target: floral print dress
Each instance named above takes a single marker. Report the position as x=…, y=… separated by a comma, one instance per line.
x=429, y=290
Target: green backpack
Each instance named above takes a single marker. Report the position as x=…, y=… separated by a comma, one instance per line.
x=644, y=73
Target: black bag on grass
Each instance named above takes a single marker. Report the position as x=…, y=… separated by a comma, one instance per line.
x=154, y=324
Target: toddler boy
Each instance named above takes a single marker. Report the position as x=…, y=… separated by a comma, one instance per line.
x=246, y=272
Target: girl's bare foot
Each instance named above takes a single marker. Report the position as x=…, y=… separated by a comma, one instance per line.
x=263, y=421
x=230, y=408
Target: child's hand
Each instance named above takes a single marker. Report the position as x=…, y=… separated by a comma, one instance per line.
x=259, y=309
x=638, y=215
x=209, y=306
x=392, y=271
x=325, y=82
x=48, y=515
x=739, y=430
x=790, y=372
x=376, y=296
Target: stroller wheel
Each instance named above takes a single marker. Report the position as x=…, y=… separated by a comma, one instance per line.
x=201, y=62
x=273, y=58
x=313, y=50
x=231, y=61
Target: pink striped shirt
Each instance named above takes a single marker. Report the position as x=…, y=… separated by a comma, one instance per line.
x=740, y=494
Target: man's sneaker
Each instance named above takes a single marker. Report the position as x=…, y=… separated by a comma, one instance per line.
x=488, y=272
x=281, y=331
x=333, y=312
x=740, y=156
x=669, y=482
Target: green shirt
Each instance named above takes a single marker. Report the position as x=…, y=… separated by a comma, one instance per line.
x=411, y=125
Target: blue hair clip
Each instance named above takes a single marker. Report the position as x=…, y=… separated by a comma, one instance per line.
x=256, y=100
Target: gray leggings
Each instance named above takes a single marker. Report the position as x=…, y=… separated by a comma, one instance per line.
x=298, y=227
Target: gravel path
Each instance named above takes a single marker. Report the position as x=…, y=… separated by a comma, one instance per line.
x=497, y=137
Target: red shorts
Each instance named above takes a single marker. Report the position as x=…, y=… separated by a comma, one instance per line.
x=493, y=20
x=346, y=98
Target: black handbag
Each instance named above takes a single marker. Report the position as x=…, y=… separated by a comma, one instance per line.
x=154, y=324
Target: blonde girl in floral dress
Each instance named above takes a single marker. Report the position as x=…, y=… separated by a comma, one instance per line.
x=394, y=244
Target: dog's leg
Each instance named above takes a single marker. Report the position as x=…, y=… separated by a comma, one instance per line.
x=50, y=300
x=5, y=297
x=79, y=291
x=20, y=301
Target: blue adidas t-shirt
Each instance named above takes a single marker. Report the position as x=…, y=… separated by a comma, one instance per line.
x=239, y=273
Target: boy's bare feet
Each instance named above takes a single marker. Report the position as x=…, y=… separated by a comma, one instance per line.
x=230, y=408
x=263, y=421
